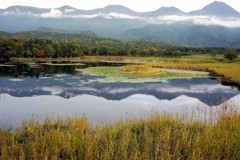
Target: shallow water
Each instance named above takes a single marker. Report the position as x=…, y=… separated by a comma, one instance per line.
x=43, y=90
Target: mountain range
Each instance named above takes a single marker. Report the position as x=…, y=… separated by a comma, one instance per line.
x=215, y=25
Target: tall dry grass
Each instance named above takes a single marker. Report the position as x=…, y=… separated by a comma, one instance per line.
x=156, y=137
x=230, y=71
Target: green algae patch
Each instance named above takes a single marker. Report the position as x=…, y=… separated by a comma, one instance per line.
x=138, y=73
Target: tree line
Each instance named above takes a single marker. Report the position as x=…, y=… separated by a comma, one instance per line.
x=21, y=47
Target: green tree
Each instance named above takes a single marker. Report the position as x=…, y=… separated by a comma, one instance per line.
x=49, y=50
x=74, y=48
x=28, y=53
x=20, y=51
x=58, y=50
x=230, y=55
x=34, y=51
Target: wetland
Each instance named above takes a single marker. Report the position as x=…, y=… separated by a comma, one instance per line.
x=105, y=90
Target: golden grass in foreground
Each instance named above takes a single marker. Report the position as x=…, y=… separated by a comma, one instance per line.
x=157, y=137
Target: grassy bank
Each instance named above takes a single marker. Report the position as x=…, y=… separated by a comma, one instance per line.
x=120, y=59
x=157, y=137
x=229, y=70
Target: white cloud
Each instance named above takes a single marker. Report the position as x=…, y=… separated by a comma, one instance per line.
x=121, y=90
x=168, y=19
x=17, y=12
x=218, y=21
x=54, y=13
x=69, y=10
x=16, y=80
x=87, y=16
x=53, y=90
x=200, y=88
x=203, y=20
x=120, y=16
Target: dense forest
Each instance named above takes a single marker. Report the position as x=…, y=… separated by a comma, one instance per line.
x=53, y=44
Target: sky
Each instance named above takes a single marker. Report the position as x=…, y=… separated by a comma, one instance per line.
x=140, y=5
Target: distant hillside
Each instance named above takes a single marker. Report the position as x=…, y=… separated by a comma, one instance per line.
x=164, y=11
x=47, y=29
x=42, y=44
x=187, y=35
x=51, y=34
x=215, y=25
x=54, y=44
x=217, y=9
x=82, y=33
x=86, y=38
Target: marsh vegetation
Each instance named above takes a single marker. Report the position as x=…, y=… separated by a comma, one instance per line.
x=157, y=137
x=65, y=69
x=142, y=73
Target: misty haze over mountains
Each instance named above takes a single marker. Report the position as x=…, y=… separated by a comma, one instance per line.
x=216, y=25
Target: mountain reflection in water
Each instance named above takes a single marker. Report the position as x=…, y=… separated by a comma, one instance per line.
x=47, y=90
x=98, y=109
x=208, y=91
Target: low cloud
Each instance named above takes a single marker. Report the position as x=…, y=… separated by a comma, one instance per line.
x=85, y=16
x=218, y=21
x=203, y=20
x=54, y=13
x=6, y=13
x=119, y=16
x=168, y=19
x=201, y=88
x=53, y=90
x=69, y=10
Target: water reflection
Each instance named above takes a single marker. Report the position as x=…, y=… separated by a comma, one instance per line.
x=206, y=90
x=43, y=90
x=97, y=109
x=36, y=70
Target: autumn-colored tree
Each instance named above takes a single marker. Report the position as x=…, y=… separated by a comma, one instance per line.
x=41, y=53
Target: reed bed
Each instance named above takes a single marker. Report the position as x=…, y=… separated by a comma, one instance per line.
x=230, y=71
x=156, y=137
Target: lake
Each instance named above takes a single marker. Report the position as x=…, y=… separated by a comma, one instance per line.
x=42, y=90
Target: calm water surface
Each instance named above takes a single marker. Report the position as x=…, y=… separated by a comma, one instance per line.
x=42, y=90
